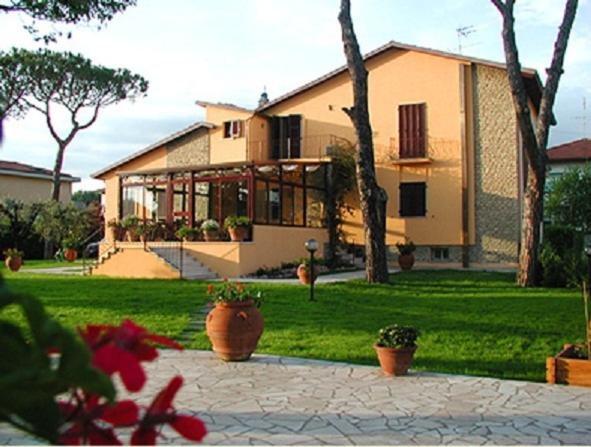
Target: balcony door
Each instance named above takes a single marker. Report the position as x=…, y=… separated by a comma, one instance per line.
x=286, y=136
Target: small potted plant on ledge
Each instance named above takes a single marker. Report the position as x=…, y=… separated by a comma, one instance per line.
x=211, y=230
x=70, y=252
x=117, y=230
x=238, y=227
x=235, y=324
x=406, y=258
x=188, y=234
x=13, y=258
x=395, y=347
x=130, y=224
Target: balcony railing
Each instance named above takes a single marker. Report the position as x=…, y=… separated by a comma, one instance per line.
x=391, y=153
x=312, y=146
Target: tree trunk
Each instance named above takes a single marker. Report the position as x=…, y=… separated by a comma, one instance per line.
x=57, y=172
x=533, y=212
x=371, y=196
x=534, y=138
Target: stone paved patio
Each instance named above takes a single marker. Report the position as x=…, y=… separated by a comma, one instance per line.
x=275, y=400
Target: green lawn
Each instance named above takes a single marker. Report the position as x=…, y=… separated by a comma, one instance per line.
x=471, y=323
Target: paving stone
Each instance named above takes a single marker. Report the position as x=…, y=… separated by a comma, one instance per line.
x=272, y=400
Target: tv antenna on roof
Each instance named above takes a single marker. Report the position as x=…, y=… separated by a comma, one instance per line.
x=463, y=32
x=583, y=117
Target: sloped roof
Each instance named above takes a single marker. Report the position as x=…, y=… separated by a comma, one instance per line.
x=168, y=139
x=223, y=105
x=578, y=150
x=24, y=170
x=532, y=80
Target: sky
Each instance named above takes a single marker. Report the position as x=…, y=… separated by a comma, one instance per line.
x=230, y=50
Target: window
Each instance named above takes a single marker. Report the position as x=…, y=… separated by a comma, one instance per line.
x=412, y=131
x=233, y=129
x=286, y=135
x=439, y=253
x=412, y=199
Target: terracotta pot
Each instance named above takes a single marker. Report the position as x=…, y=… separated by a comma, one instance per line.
x=406, y=261
x=395, y=361
x=211, y=236
x=304, y=274
x=70, y=254
x=14, y=263
x=238, y=234
x=234, y=329
x=131, y=236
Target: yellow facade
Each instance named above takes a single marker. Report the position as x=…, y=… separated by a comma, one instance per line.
x=462, y=124
x=29, y=189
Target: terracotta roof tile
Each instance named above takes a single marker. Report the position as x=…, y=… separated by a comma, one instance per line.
x=21, y=168
x=575, y=150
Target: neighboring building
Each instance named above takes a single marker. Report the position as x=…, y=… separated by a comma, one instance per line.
x=447, y=154
x=568, y=155
x=31, y=184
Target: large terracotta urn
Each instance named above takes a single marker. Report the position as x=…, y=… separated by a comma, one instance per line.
x=70, y=254
x=14, y=263
x=234, y=329
x=395, y=361
x=406, y=261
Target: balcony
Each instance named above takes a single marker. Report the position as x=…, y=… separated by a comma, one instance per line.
x=406, y=154
x=315, y=147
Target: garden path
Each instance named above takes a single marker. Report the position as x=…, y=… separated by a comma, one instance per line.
x=273, y=400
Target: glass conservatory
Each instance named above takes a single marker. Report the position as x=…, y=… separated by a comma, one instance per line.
x=271, y=193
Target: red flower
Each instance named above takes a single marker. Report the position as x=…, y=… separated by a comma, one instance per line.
x=161, y=412
x=82, y=426
x=121, y=349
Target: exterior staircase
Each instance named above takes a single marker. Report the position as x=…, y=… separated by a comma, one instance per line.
x=190, y=267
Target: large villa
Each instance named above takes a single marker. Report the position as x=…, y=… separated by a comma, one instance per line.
x=447, y=153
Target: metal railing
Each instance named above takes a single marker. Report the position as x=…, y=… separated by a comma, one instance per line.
x=172, y=252
x=311, y=146
x=390, y=152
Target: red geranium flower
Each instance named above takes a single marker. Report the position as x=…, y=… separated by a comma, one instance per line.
x=82, y=421
x=122, y=348
x=161, y=412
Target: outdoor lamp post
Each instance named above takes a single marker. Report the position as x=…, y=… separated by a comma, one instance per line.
x=312, y=246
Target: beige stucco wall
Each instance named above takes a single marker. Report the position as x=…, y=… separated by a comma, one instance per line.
x=234, y=259
x=135, y=263
x=222, y=149
x=30, y=189
x=395, y=78
x=496, y=161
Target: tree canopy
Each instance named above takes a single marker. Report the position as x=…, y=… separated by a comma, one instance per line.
x=568, y=202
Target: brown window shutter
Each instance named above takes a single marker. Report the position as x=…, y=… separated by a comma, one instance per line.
x=412, y=131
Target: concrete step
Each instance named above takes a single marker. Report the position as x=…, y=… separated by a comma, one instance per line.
x=192, y=269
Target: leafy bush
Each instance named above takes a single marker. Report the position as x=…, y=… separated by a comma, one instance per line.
x=13, y=253
x=562, y=257
x=406, y=248
x=395, y=336
x=229, y=291
x=17, y=227
x=57, y=223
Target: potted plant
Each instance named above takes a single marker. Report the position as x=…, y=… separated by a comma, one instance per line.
x=130, y=224
x=238, y=227
x=303, y=270
x=154, y=231
x=234, y=325
x=187, y=233
x=395, y=347
x=572, y=365
x=117, y=231
x=13, y=258
x=141, y=231
x=406, y=258
x=211, y=230
x=70, y=252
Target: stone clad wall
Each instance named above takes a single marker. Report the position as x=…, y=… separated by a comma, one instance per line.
x=191, y=149
x=496, y=169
